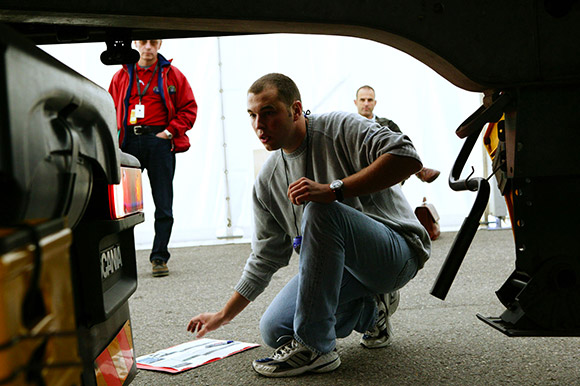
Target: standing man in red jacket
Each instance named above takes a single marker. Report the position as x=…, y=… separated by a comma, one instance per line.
x=155, y=108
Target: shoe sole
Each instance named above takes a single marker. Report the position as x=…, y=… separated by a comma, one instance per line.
x=378, y=345
x=160, y=274
x=327, y=367
x=313, y=368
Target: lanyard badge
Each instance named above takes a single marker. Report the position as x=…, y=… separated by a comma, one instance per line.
x=140, y=108
x=139, y=111
x=297, y=243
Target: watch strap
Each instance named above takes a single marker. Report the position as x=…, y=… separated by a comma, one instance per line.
x=336, y=187
x=338, y=194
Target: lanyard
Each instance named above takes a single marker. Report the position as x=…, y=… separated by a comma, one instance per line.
x=148, y=83
x=298, y=239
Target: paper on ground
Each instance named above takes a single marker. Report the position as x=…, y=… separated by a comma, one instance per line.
x=192, y=354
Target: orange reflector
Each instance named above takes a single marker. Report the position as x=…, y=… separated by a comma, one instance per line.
x=127, y=197
x=114, y=365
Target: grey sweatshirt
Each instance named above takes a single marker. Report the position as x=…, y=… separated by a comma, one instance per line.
x=338, y=145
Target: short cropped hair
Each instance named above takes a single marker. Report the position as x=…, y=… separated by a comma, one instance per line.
x=287, y=89
x=361, y=87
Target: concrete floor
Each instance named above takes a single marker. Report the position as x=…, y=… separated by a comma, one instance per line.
x=436, y=342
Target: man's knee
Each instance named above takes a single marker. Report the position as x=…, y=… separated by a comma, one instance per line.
x=165, y=216
x=317, y=212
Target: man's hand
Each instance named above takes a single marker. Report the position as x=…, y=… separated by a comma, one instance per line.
x=206, y=322
x=304, y=190
x=162, y=135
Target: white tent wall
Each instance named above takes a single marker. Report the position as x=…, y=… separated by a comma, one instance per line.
x=328, y=70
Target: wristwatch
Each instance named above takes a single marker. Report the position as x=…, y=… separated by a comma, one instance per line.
x=168, y=133
x=336, y=187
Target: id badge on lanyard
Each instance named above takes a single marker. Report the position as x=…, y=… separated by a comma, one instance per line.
x=140, y=108
x=139, y=111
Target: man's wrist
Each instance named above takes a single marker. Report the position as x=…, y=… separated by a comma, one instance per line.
x=168, y=134
x=337, y=188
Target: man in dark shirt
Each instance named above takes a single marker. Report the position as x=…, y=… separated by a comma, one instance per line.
x=365, y=103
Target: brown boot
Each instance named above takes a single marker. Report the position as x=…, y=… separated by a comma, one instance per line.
x=159, y=268
x=428, y=175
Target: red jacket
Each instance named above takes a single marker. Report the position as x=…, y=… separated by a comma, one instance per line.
x=181, y=105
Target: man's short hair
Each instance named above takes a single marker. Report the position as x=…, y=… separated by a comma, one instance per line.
x=287, y=89
x=361, y=87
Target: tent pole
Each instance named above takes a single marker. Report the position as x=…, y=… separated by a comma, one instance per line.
x=229, y=231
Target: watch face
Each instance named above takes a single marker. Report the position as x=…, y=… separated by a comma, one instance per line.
x=336, y=184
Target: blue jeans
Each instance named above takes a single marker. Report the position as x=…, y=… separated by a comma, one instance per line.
x=346, y=257
x=155, y=155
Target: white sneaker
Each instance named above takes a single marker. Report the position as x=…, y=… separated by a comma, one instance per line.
x=382, y=332
x=293, y=359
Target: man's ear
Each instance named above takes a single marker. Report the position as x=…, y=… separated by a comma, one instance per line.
x=296, y=110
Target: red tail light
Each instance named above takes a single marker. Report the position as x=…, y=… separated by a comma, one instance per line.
x=127, y=197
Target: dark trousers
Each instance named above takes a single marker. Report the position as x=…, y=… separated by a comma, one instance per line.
x=156, y=156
